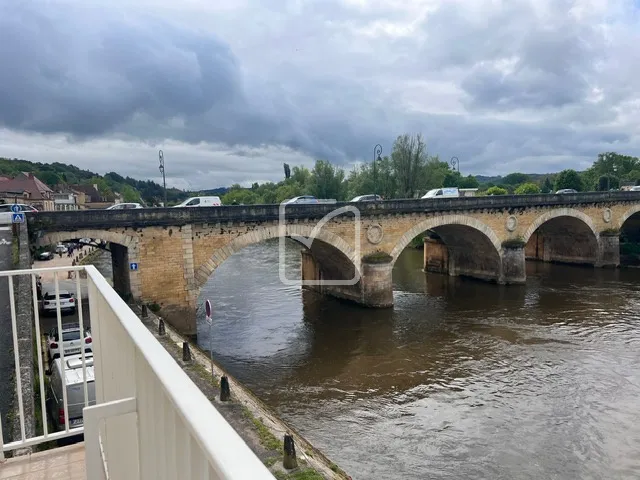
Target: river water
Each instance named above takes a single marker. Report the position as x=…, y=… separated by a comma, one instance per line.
x=461, y=379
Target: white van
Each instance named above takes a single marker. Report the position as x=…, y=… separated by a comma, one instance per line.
x=74, y=381
x=442, y=192
x=200, y=202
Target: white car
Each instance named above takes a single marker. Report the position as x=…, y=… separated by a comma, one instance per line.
x=70, y=339
x=6, y=215
x=302, y=199
x=124, y=206
x=67, y=303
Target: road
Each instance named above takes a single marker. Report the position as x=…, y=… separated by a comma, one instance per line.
x=6, y=357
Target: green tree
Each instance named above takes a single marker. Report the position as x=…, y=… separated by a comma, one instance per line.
x=435, y=172
x=301, y=176
x=409, y=157
x=607, y=182
x=547, y=186
x=287, y=171
x=497, y=191
x=327, y=181
x=469, y=182
x=515, y=178
x=527, y=189
x=451, y=179
x=130, y=194
x=50, y=178
x=569, y=179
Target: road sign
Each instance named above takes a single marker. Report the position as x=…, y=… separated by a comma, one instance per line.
x=15, y=208
x=17, y=217
x=133, y=266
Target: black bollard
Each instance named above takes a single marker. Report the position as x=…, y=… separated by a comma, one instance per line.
x=186, y=353
x=289, y=459
x=161, y=330
x=225, y=391
x=145, y=312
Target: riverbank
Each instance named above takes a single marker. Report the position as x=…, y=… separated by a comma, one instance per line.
x=258, y=426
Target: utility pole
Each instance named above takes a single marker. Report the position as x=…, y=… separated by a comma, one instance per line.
x=164, y=181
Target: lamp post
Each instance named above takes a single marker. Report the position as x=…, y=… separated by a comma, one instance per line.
x=455, y=164
x=164, y=182
x=377, y=150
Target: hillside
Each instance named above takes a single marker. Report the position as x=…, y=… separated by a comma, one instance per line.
x=56, y=174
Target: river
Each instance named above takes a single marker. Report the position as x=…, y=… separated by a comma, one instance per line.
x=461, y=379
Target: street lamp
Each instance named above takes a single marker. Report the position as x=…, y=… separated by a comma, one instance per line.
x=455, y=164
x=377, y=150
x=164, y=182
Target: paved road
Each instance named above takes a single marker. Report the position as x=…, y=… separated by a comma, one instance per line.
x=6, y=357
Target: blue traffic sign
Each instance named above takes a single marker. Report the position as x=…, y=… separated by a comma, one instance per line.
x=18, y=218
x=15, y=208
x=133, y=266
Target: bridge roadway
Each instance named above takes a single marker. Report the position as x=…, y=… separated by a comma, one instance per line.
x=165, y=255
x=69, y=220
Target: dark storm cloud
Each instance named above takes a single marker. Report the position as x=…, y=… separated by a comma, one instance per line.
x=490, y=82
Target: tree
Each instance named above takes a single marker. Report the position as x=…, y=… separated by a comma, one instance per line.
x=435, y=172
x=287, y=171
x=527, y=189
x=569, y=179
x=607, y=182
x=408, y=157
x=515, y=178
x=301, y=176
x=327, y=181
x=547, y=187
x=497, y=191
x=130, y=194
x=469, y=182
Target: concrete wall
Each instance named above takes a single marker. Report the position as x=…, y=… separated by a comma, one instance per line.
x=25, y=330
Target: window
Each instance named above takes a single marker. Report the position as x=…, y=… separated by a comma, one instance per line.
x=195, y=201
x=71, y=336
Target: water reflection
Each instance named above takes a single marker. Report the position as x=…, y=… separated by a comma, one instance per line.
x=461, y=379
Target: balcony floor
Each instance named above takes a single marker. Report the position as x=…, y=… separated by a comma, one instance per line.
x=59, y=463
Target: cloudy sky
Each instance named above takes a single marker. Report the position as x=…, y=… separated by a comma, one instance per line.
x=231, y=90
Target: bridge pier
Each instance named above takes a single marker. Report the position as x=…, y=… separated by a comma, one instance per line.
x=120, y=268
x=374, y=289
x=608, y=250
x=514, y=265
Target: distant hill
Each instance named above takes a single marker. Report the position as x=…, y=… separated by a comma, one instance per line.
x=57, y=175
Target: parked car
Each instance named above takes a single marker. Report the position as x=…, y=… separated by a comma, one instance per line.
x=367, y=198
x=70, y=339
x=566, y=190
x=74, y=384
x=442, y=192
x=46, y=255
x=124, y=206
x=635, y=188
x=302, y=199
x=61, y=248
x=200, y=202
x=67, y=303
x=6, y=214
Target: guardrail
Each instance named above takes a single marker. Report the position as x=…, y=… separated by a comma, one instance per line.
x=149, y=419
x=88, y=219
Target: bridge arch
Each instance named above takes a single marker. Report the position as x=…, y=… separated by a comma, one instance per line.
x=125, y=250
x=557, y=213
x=460, y=245
x=332, y=251
x=627, y=215
x=444, y=220
x=563, y=235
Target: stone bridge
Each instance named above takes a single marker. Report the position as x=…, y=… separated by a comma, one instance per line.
x=177, y=249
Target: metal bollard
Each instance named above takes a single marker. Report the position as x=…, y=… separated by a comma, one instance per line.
x=225, y=391
x=161, y=330
x=289, y=459
x=186, y=352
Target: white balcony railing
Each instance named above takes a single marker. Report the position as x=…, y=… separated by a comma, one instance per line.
x=149, y=421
